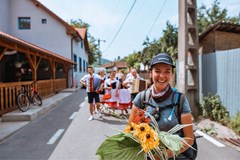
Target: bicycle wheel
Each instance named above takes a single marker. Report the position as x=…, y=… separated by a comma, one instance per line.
x=23, y=102
x=36, y=98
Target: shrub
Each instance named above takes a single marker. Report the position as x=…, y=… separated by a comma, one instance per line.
x=235, y=123
x=212, y=108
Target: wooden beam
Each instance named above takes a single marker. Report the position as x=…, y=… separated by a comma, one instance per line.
x=2, y=53
x=53, y=64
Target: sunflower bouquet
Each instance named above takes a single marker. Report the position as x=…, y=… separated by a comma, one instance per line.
x=141, y=140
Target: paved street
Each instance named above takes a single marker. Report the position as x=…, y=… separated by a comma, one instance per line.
x=36, y=136
x=80, y=138
x=83, y=137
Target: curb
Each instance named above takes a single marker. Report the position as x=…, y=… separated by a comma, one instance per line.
x=16, y=120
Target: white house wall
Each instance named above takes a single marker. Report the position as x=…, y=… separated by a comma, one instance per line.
x=80, y=53
x=4, y=14
x=51, y=36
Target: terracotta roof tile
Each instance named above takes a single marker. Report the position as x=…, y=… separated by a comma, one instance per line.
x=118, y=64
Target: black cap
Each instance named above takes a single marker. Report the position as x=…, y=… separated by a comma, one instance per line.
x=162, y=58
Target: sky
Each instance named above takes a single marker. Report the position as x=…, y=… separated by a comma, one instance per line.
x=123, y=25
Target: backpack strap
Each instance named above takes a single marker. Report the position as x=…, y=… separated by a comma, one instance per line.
x=179, y=106
x=145, y=96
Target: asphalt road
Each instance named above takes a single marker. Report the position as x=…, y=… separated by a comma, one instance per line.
x=36, y=140
x=81, y=139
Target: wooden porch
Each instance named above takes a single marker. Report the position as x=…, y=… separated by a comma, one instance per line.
x=9, y=91
x=48, y=70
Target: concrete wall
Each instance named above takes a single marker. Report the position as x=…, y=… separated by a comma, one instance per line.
x=51, y=36
x=4, y=15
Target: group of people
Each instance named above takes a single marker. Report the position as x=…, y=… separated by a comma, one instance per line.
x=97, y=85
x=161, y=95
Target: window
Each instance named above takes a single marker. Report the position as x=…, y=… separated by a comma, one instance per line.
x=82, y=44
x=44, y=21
x=75, y=60
x=24, y=23
x=80, y=64
x=84, y=67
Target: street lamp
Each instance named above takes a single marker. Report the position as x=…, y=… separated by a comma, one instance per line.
x=99, y=41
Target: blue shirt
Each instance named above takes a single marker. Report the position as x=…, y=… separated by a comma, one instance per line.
x=166, y=122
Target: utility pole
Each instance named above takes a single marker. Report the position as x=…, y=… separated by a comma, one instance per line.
x=188, y=72
x=100, y=55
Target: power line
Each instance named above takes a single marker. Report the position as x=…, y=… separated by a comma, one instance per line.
x=120, y=26
x=157, y=17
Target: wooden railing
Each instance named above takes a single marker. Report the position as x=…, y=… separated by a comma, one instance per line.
x=9, y=91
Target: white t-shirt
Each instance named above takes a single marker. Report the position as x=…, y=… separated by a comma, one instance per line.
x=96, y=81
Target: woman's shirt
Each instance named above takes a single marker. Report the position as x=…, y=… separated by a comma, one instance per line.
x=114, y=87
x=166, y=122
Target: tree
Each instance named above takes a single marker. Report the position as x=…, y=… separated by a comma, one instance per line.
x=169, y=40
x=208, y=16
x=167, y=43
x=79, y=23
x=93, y=47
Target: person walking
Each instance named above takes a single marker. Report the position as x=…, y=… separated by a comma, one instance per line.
x=102, y=90
x=124, y=94
x=92, y=82
x=134, y=75
x=161, y=95
x=111, y=86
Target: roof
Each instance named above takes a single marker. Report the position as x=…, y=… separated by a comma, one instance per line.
x=70, y=29
x=222, y=26
x=118, y=64
x=83, y=33
x=5, y=36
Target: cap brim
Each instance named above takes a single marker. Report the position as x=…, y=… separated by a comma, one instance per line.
x=164, y=63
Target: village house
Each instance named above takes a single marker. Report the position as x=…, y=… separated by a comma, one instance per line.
x=219, y=60
x=37, y=45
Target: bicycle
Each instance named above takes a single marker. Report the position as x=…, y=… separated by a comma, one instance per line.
x=26, y=97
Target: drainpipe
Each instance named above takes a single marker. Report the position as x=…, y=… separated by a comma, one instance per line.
x=72, y=57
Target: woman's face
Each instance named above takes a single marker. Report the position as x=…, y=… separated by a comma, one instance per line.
x=102, y=73
x=161, y=75
x=112, y=75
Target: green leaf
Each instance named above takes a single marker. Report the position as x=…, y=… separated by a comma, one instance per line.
x=120, y=147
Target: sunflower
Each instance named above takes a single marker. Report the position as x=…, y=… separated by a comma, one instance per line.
x=149, y=140
x=141, y=130
x=130, y=128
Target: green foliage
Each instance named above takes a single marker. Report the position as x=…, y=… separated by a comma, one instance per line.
x=210, y=131
x=79, y=23
x=169, y=40
x=212, y=108
x=120, y=147
x=133, y=60
x=235, y=123
x=95, y=53
x=167, y=43
x=208, y=16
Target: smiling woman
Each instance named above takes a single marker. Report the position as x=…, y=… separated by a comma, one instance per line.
x=163, y=101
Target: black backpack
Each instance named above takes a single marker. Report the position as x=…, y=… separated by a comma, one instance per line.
x=190, y=153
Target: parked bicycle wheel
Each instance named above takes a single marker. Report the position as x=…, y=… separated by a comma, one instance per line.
x=23, y=102
x=36, y=98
